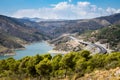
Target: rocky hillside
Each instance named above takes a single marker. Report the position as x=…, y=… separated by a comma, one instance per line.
x=108, y=35
x=54, y=29
x=16, y=28
x=14, y=33
x=57, y=28
x=105, y=30
x=64, y=43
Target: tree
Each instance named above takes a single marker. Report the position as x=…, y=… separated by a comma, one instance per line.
x=47, y=56
x=23, y=65
x=67, y=62
x=80, y=65
x=56, y=64
x=30, y=64
x=12, y=64
x=97, y=61
x=44, y=68
x=85, y=54
x=38, y=58
x=3, y=66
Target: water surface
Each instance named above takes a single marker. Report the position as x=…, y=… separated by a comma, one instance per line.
x=31, y=50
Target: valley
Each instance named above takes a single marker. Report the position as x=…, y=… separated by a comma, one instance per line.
x=59, y=39
x=15, y=33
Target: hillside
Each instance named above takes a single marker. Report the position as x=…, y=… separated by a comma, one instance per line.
x=58, y=28
x=71, y=66
x=112, y=36
x=64, y=43
x=106, y=33
x=13, y=34
x=112, y=74
x=54, y=29
x=109, y=35
x=15, y=28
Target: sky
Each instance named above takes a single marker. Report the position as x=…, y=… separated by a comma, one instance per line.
x=59, y=9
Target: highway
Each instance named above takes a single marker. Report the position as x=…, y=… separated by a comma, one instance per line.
x=101, y=49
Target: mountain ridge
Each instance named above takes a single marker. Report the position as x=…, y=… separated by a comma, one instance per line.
x=57, y=28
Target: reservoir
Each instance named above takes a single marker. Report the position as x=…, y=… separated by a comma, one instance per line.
x=31, y=50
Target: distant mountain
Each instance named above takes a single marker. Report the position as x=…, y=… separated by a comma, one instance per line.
x=33, y=19
x=40, y=19
x=57, y=28
x=54, y=29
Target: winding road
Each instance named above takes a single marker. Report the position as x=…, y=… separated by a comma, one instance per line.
x=101, y=49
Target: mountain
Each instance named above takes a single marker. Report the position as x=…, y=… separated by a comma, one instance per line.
x=58, y=28
x=40, y=19
x=109, y=35
x=27, y=30
x=33, y=19
x=13, y=33
x=107, y=27
x=15, y=28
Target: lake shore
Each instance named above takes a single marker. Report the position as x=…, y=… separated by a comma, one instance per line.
x=12, y=51
x=57, y=52
x=30, y=49
x=10, y=54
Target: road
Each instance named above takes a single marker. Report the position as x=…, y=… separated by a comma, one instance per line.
x=101, y=49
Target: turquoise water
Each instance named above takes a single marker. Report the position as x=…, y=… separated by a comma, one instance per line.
x=31, y=50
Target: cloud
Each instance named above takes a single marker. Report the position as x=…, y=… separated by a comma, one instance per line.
x=66, y=10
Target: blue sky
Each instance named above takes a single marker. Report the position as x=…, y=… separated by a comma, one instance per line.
x=59, y=9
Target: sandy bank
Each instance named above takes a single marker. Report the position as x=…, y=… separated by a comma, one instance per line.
x=58, y=52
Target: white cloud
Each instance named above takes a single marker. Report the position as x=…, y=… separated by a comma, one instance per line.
x=66, y=10
x=83, y=4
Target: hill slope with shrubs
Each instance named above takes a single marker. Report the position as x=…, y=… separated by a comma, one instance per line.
x=73, y=65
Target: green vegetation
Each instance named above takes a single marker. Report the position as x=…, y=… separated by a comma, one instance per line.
x=45, y=67
x=110, y=34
